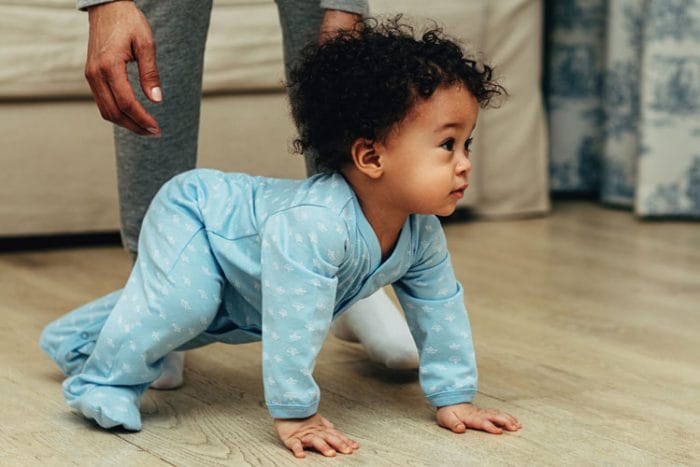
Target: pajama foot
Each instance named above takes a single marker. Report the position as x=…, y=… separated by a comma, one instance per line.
x=109, y=406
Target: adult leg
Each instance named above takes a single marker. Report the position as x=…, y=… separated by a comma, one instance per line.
x=374, y=321
x=172, y=296
x=144, y=163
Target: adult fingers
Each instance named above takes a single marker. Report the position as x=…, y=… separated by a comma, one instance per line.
x=145, y=51
x=129, y=107
x=108, y=106
x=102, y=95
x=336, y=20
x=115, y=28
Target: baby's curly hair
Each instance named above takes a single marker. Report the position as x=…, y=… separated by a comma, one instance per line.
x=362, y=82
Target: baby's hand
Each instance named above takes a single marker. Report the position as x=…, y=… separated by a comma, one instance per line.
x=315, y=433
x=459, y=417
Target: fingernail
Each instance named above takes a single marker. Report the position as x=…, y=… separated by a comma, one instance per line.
x=153, y=130
x=156, y=94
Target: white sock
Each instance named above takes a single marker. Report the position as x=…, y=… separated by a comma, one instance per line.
x=173, y=367
x=381, y=328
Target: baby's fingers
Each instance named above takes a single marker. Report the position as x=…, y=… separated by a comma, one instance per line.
x=295, y=445
x=506, y=421
x=451, y=421
x=320, y=445
x=311, y=441
x=339, y=442
x=487, y=426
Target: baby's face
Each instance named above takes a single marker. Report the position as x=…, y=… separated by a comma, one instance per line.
x=426, y=156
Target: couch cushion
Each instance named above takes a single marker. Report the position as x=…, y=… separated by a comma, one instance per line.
x=43, y=45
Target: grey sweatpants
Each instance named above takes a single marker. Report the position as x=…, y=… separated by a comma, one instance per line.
x=180, y=29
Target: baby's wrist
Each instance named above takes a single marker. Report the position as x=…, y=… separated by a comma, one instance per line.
x=453, y=405
x=295, y=419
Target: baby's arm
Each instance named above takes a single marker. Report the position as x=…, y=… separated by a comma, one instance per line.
x=459, y=417
x=314, y=432
x=434, y=305
x=299, y=281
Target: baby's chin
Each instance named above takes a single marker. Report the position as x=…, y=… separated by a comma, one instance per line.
x=446, y=209
x=446, y=212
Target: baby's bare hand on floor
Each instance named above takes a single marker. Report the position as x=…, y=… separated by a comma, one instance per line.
x=315, y=433
x=459, y=417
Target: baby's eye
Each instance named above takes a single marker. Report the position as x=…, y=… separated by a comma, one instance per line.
x=468, y=144
x=448, y=145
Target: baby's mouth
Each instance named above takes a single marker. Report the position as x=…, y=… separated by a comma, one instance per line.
x=460, y=191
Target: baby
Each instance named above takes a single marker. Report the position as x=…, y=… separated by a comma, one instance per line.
x=227, y=257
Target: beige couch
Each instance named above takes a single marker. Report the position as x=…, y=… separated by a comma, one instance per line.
x=58, y=169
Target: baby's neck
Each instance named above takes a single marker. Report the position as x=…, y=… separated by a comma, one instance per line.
x=385, y=223
x=387, y=235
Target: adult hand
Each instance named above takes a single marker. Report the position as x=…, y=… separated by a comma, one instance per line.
x=315, y=433
x=120, y=33
x=459, y=417
x=335, y=20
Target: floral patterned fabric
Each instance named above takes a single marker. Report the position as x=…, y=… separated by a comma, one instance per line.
x=623, y=92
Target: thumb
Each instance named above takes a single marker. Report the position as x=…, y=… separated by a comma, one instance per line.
x=145, y=51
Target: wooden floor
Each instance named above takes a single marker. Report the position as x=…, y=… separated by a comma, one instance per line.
x=586, y=325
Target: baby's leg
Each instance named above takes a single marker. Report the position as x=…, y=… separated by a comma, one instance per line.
x=172, y=296
x=158, y=312
x=379, y=326
x=69, y=340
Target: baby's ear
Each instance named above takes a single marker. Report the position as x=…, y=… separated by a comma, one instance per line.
x=366, y=157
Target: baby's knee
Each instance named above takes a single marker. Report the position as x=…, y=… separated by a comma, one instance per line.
x=179, y=201
x=190, y=185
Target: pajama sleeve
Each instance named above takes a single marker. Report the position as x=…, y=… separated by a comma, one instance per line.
x=302, y=249
x=434, y=305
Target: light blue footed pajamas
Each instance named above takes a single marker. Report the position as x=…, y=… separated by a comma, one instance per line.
x=235, y=258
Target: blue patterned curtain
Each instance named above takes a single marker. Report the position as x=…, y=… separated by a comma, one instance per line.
x=622, y=81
